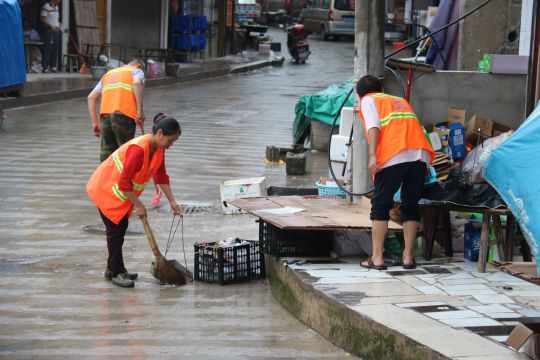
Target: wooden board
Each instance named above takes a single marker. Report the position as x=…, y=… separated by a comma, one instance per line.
x=86, y=22
x=319, y=212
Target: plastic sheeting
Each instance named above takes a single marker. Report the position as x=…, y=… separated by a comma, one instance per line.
x=513, y=169
x=455, y=190
x=12, y=59
x=322, y=106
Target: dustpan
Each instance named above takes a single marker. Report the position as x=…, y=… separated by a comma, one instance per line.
x=166, y=271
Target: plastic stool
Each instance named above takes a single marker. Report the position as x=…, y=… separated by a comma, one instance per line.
x=71, y=63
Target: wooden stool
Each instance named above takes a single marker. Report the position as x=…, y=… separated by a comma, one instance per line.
x=486, y=239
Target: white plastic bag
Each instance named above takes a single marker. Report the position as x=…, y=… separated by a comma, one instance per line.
x=474, y=161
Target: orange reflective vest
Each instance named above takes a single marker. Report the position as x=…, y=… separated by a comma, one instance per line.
x=400, y=128
x=117, y=94
x=102, y=187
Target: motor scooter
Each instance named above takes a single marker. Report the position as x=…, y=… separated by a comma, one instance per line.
x=297, y=44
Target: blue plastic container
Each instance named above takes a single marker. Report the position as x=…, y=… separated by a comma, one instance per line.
x=203, y=23
x=181, y=42
x=181, y=24
x=202, y=41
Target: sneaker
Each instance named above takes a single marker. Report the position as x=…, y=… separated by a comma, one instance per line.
x=109, y=275
x=123, y=280
x=54, y=70
x=45, y=71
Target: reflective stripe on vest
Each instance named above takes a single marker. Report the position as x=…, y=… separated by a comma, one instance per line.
x=400, y=129
x=118, y=93
x=136, y=185
x=102, y=187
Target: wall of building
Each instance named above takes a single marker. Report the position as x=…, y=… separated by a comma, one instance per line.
x=500, y=97
x=135, y=24
x=494, y=29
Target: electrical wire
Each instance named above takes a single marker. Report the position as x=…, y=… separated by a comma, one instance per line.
x=349, y=144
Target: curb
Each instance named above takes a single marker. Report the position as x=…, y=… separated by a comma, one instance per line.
x=345, y=328
x=54, y=96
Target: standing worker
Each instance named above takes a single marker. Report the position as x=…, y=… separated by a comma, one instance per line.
x=117, y=183
x=121, y=92
x=399, y=156
x=50, y=17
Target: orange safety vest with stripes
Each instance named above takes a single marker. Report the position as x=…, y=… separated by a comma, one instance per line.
x=117, y=94
x=400, y=128
x=102, y=187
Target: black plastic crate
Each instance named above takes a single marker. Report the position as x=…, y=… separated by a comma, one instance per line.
x=277, y=242
x=228, y=265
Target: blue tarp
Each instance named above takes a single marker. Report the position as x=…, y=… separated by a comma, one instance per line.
x=12, y=60
x=513, y=169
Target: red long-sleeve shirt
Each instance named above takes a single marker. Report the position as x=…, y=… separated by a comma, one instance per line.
x=133, y=164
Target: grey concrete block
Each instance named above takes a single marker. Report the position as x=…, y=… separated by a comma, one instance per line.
x=295, y=164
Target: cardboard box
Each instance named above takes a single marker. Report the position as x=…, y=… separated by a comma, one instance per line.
x=456, y=115
x=499, y=129
x=474, y=138
x=479, y=124
x=238, y=189
x=443, y=134
x=526, y=336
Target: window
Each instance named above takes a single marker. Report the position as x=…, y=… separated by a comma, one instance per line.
x=344, y=5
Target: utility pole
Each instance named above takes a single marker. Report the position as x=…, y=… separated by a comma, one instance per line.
x=369, y=59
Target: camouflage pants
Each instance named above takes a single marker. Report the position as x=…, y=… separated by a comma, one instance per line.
x=116, y=129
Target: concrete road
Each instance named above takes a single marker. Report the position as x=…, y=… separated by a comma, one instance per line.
x=54, y=301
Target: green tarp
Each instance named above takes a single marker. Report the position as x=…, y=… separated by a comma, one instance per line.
x=322, y=107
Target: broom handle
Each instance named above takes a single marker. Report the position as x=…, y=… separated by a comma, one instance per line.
x=150, y=236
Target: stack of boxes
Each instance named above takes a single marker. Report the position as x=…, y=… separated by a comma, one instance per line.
x=456, y=134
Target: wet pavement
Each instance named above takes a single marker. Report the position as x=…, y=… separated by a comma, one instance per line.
x=54, y=302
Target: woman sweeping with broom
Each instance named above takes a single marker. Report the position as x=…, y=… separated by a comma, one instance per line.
x=117, y=183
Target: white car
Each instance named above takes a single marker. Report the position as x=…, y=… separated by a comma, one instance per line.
x=329, y=17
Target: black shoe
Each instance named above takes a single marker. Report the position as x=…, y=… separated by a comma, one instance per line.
x=109, y=275
x=123, y=280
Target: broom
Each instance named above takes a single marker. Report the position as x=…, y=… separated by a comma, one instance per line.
x=166, y=271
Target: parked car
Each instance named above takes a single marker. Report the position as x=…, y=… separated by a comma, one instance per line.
x=329, y=17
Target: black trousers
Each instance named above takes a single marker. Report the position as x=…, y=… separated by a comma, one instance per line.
x=51, y=44
x=410, y=176
x=115, y=241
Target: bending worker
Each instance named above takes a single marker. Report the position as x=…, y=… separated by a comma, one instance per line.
x=117, y=183
x=399, y=156
x=121, y=92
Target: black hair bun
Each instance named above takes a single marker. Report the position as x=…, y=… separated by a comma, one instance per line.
x=159, y=116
